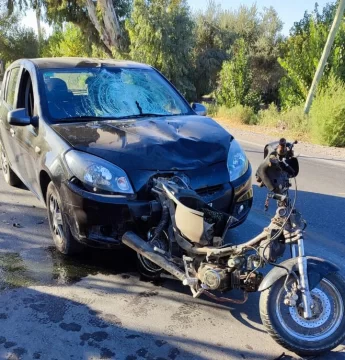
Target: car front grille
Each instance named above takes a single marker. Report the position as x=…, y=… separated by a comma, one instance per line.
x=209, y=190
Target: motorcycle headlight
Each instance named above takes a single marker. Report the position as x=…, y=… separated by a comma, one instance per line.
x=237, y=161
x=97, y=173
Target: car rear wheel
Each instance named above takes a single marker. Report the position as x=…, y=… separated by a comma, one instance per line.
x=10, y=177
x=63, y=239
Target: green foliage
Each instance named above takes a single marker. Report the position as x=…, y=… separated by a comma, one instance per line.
x=264, y=56
x=161, y=34
x=69, y=42
x=269, y=117
x=238, y=114
x=292, y=120
x=59, y=12
x=235, y=79
x=16, y=41
x=212, y=43
x=325, y=17
x=301, y=53
x=328, y=114
x=212, y=108
x=216, y=31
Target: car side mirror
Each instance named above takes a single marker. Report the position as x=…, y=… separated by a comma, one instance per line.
x=199, y=109
x=18, y=117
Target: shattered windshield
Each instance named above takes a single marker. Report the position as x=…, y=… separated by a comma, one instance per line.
x=109, y=93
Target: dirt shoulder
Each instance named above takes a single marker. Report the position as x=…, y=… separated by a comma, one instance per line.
x=262, y=135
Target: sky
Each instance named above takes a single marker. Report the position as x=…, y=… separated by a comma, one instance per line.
x=289, y=11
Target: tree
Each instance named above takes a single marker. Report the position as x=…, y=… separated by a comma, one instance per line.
x=211, y=48
x=212, y=44
x=161, y=34
x=67, y=42
x=244, y=22
x=328, y=113
x=16, y=41
x=264, y=56
x=325, y=17
x=216, y=31
x=236, y=78
x=99, y=21
x=301, y=53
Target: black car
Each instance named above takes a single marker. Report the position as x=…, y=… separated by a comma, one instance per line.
x=88, y=137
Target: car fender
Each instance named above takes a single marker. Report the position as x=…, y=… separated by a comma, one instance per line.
x=317, y=269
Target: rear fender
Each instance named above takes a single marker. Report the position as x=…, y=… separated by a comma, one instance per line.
x=317, y=269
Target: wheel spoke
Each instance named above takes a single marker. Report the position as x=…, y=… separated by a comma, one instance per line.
x=59, y=232
x=52, y=206
x=58, y=218
x=4, y=163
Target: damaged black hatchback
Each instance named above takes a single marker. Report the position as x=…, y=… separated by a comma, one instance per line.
x=89, y=137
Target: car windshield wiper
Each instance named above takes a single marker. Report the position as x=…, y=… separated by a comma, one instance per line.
x=136, y=116
x=84, y=118
x=100, y=118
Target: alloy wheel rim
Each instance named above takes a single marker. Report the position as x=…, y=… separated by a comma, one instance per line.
x=326, y=319
x=4, y=162
x=56, y=218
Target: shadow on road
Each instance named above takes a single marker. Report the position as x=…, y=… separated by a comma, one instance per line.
x=83, y=332
x=37, y=265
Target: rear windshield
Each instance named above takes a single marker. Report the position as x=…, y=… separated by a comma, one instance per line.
x=109, y=93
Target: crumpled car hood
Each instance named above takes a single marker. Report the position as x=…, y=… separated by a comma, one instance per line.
x=164, y=144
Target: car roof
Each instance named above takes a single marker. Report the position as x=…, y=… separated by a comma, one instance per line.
x=79, y=62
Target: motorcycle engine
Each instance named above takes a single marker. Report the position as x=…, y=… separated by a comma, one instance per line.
x=214, y=277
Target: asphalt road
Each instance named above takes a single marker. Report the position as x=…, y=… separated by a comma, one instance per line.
x=96, y=306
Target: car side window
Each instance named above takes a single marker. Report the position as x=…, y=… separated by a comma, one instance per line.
x=29, y=99
x=11, y=87
x=26, y=94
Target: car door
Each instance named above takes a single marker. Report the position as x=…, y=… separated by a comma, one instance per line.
x=9, y=102
x=27, y=137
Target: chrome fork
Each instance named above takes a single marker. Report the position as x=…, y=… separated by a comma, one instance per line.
x=304, y=282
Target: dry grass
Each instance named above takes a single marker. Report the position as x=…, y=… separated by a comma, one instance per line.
x=266, y=130
x=290, y=124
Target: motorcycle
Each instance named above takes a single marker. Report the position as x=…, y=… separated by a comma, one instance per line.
x=302, y=298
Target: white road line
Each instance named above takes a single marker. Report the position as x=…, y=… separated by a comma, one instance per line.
x=250, y=142
x=333, y=162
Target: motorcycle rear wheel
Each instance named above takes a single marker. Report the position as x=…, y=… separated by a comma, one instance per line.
x=324, y=332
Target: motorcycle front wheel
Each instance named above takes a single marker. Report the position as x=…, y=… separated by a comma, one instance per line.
x=323, y=332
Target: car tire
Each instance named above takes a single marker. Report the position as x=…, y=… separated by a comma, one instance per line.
x=63, y=238
x=10, y=177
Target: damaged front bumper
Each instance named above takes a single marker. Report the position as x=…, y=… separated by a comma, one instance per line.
x=100, y=220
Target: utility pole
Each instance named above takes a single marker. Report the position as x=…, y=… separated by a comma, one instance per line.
x=38, y=20
x=322, y=63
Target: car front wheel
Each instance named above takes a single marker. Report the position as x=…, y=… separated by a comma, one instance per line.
x=63, y=239
x=10, y=177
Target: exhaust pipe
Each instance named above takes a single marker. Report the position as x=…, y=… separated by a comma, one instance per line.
x=140, y=246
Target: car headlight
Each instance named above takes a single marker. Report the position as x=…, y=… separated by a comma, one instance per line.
x=237, y=161
x=97, y=173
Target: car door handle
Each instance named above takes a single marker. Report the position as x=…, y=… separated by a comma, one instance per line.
x=12, y=131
